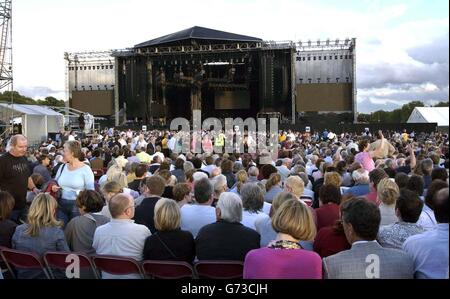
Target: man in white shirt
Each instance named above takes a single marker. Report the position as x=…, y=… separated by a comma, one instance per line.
x=121, y=236
x=430, y=249
x=195, y=216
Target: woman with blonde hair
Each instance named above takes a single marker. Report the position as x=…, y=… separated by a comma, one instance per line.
x=41, y=233
x=387, y=192
x=108, y=191
x=241, y=179
x=72, y=177
x=169, y=242
x=285, y=258
x=333, y=178
x=273, y=187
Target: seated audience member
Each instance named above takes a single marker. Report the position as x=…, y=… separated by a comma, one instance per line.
x=241, y=179
x=307, y=193
x=253, y=173
x=226, y=239
x=178, y=172
x=169, y=181
x=361, y=187
x=7, y=227
x=427, y=219
x=415, y=183
x=328, y=212
x=273, y=187
x=430, y=249
x=109, y=190
x=264, y=226
x=427, y=167
x=296, y=186
x=140, y=172
x=361, y=221
x=439, y=174
x=388, y=192
x=293, y=222
x=401, y=179
x=40, y=234
x=182, y=194
x=253, y=203
x=144, y=213
x=97, y=163
x=197, y=215
x=331, y=240
x=408, y=207
x=375, y=177
x=169, y=242
x=42, y=168
x=121, y=236
x=80, y=230
x=219, y=183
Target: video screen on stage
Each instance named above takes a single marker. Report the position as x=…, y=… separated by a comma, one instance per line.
x=228, y=100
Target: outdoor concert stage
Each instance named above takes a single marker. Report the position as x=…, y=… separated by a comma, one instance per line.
x=222, y=74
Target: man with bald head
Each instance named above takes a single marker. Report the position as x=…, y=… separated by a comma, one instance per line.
x=15, y=176
x=121, y=236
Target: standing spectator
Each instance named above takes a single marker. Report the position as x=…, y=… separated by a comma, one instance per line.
x=72, y=178
x=121, y=236
x=361, y=220
x=41, y=233
x=145, y=211
x=407, y=208
x=387, y=193
x=80, y=230
x=15, y=176
x=7, y=227
x=284, y=258
x=430, y=249
x=226, y=239
x=169, y=242
x=42, y=168
x=365, y=156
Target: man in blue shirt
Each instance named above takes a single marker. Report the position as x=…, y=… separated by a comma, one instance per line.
x=430, y=249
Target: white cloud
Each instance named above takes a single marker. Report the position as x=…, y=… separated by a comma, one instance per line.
x=389, y=51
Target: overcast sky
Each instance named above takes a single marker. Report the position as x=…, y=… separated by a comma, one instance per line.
x=402, y=46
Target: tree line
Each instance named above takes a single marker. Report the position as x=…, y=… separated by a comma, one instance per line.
x=5, y=97
x=400, y=115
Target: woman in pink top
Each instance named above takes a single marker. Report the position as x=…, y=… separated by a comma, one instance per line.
x=365, y=156
x=284, y=258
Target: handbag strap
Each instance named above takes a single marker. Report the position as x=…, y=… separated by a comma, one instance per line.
x=165, y=246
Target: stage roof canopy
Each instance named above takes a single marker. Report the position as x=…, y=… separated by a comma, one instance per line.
x=199, y=33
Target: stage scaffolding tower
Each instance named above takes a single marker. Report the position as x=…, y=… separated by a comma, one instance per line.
x=6, y=66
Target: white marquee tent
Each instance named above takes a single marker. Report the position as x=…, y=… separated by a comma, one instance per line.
x=437, y=115
x=37, y=121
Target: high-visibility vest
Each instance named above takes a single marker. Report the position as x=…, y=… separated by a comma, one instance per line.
x=220, y=140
